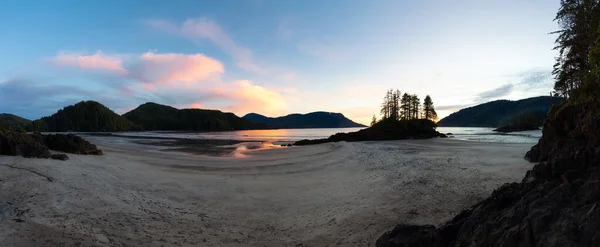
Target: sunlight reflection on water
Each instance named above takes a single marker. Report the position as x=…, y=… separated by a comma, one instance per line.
x=291, y=135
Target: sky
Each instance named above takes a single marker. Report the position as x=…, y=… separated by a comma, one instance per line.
x=272, y=57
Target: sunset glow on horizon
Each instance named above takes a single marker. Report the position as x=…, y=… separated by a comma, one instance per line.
x=272, y=57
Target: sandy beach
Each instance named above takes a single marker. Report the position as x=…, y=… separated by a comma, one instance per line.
x=335, y=194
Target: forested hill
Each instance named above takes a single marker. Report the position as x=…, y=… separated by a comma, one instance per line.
x=85, y=116
x=15, y=122
x=310, y=120
x=499, y=112
x=152, y=116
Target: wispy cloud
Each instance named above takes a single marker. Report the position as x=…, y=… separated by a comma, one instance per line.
x=495, y=93
x=201, y=29
x=97, y=61
x=452, y=107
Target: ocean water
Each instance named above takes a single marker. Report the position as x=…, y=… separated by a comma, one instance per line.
x=288, y=135
x=488, y=135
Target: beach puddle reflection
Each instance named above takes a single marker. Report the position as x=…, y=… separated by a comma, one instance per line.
x=243, y=149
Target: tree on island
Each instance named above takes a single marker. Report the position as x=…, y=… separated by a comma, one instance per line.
x=390, y=106
x=405, y=107
x=415, y=102
x=428, y=109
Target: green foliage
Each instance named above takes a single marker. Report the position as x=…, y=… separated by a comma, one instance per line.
x=526, y=120
x=579, y=21
x=4, y=126
x=13, y=122
x=499, y=112
x=152, y=116
x=373, y=120
x=84, y=116
x=38, y=125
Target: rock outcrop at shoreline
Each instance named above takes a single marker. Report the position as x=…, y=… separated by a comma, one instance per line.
x=71, y=144
x=20, y=144
x=37, y=145
x=387, y=129
x=556, y=204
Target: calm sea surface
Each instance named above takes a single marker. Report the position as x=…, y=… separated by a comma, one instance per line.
x=459, y=133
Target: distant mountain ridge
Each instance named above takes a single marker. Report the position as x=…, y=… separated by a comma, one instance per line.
x=91, y=116
x=85, y=116
x=310, y=120
x=153, y=116
x=499, y=112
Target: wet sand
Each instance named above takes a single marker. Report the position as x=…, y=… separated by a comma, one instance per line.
x=344, y=194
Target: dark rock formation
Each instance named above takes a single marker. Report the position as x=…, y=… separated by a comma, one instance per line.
x=533, y=155
x=59, y=157
x=388, y=129
x=556, y=203
x=20, y=144
x=512, y=128
x=71, y=144
x=37, y=145
x=409, y=236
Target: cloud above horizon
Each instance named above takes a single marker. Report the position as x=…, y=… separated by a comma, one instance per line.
x=493, y=94
x=181, y=80
x=96, y=61
x=172, y=68
x=205, y=29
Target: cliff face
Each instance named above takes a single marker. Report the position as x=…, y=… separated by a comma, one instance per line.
x=556, y=204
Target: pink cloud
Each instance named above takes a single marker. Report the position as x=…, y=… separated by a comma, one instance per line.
x=97, y=61
x=172, y=68
x=185, y=80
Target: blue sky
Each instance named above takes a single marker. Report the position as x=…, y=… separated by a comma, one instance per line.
x=272, y=57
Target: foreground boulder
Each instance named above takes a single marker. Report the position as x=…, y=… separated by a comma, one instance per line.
x=21, y=144
x=71, y=144
x=387, y=129
x=556, y=204
x=59, y=157
x=37, y=145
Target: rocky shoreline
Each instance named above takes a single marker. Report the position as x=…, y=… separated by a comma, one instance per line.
x=556, y=203
x=36, y=145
